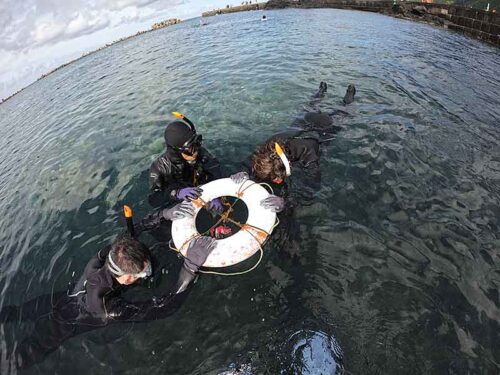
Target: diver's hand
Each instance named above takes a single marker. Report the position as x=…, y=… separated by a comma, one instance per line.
x=179, y=211
x=273, y=203
x=239, y=177
x=189, y=193
x=197, y=252
x=216, y=205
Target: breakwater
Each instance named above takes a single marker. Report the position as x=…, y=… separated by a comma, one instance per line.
x=475, y=23
x=231, y=9
x=166, y=23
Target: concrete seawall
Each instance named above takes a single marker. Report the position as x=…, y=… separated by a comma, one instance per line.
x=474, y=23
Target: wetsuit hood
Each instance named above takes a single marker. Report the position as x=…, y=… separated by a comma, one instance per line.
x=177, y=133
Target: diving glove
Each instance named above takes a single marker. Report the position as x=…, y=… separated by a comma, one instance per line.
x=189, y=193
x=216, y=205
x=197, y=252
x=239, y=177
x=273, y=203
x=179, y=211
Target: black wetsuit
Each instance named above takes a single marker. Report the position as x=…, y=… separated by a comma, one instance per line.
x=302, y=140
x=95, y=301
x=170, y=172
x=302, y=150
x=98, y=293
x=301, y=143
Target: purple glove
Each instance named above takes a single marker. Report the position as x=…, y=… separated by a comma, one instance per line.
x=189, y=193
x=216, y=205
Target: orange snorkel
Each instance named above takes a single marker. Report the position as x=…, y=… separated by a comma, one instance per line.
x=127, y=212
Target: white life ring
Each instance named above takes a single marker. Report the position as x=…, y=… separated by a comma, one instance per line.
x=247, y=241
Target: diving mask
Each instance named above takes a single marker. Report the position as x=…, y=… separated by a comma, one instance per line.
x=113, y=267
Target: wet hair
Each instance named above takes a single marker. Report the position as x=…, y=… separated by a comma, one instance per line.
x=129, y=254
x=266, y=164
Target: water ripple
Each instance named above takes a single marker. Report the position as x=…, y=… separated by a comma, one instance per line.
x=397, y=257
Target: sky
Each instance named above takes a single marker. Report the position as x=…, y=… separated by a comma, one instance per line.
x=37, y=36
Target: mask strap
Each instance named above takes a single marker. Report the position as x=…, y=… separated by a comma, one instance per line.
x=113, y=267
x=283, y=158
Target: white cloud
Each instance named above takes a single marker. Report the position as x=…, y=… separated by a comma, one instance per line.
x=31, y=23
x=37, y=36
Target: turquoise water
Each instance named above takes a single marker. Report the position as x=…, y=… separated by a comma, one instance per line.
x=398, y=255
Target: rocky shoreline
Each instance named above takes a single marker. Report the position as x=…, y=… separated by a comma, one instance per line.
x=475, y=23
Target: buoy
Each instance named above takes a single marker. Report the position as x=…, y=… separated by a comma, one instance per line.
x=243, y=244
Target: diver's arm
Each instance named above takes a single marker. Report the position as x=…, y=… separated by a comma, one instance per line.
x=118, y=309
x=97, y=289
x=157, y=195
x=170, y=300
x=148, y=223
x=210, y=165
x=305, y=151
x=153, y=220
x=162, y=186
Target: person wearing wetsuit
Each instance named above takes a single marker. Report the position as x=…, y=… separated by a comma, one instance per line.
x=298, y=146
x=296, y=150
x=185, y=164
x=96, y=300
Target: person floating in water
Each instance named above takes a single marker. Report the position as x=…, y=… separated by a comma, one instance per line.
x=177, y=173
x=96, y=300
x=264, y=18
x=298, y=147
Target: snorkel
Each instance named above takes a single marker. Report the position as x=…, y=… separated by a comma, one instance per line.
x=285, y=161
x=127, y=212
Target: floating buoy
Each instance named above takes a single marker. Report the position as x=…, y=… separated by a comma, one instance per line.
x=243, y=244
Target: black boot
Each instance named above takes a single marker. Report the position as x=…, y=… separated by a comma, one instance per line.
x=349, y=94
x=321, y=92
x=322, y=88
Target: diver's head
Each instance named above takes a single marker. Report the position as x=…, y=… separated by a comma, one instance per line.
x=180, y=136
x=269, y=163
x=129, y=260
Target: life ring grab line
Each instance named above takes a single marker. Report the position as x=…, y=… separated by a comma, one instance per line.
x=261, y=255
x=241, y=246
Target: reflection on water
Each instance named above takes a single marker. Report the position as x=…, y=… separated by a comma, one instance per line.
x=316, y=353
x=396, y=259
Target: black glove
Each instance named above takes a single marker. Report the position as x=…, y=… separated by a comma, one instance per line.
x=179, y=211
x=197, y=252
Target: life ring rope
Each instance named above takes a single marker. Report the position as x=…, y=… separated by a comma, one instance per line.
x=260, y=235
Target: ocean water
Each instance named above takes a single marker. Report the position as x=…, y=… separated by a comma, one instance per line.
x=396, y=260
